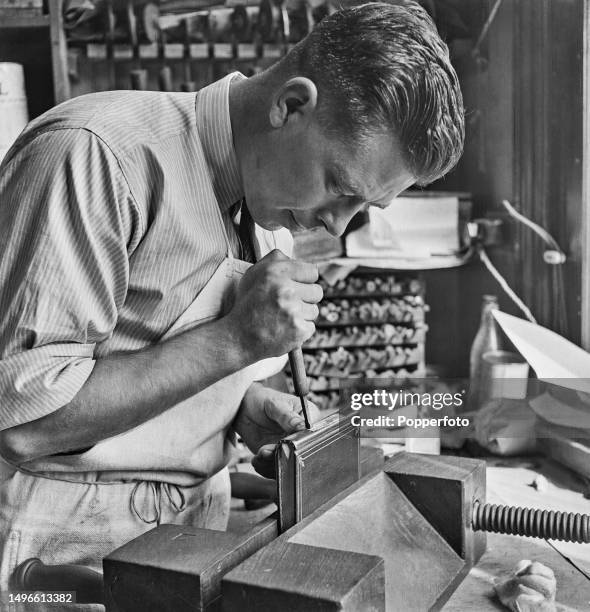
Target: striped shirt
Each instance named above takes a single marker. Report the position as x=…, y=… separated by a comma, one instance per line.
x=109, y=228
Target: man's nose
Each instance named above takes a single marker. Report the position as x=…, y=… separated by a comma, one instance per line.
x=337, y=220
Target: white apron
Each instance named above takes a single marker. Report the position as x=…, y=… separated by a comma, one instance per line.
x=189, y=442
x=77, y=509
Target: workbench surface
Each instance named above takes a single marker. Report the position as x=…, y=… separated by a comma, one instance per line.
x=509, y=482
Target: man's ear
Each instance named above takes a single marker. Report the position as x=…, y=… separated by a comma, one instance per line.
x=296, y=97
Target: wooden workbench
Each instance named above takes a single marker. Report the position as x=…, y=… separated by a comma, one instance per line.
x=476, y=592
x=509, y=482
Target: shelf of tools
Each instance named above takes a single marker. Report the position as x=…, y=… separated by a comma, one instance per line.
x=177, y=45
x=371, y=325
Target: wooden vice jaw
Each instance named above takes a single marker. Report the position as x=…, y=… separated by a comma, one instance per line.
x=398, y=538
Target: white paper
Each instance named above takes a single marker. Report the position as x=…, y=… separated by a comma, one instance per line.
x=410, y=228
x=553, y=358
x=556, y=412
x=418, y=225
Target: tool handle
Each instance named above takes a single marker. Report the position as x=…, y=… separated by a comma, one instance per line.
x=139, y=79
x=34, y=575
x=165, y=79
x=300, y=381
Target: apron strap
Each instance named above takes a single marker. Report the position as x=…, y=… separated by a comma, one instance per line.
x=154, y=490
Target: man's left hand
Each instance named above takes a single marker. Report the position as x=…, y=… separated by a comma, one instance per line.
x=266, y=416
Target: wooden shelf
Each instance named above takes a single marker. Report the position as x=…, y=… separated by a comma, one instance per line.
x=323, y=324
x=365, y=345
x=370, y=296
x=49, y=26
x=24, y=21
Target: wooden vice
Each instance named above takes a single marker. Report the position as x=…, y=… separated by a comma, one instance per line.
x=399, y=538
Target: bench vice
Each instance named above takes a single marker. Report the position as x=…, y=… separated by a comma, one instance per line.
x=402, y=537
x=398, y=538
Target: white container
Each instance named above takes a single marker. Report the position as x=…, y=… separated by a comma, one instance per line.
x=503, y=374
x=13, y=104
x=425, y=445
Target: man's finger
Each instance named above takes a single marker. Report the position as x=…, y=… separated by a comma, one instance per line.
x=304, y=272
x=300, y=271
x=251, y=486
x=264, y=466
x=284, y=413
x=309, y=312
x=310, y=293
x=274, y=255
x=267, y=451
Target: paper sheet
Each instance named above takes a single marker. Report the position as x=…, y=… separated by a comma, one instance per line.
x=556, y=412
x=553, y=358
x=410, y=227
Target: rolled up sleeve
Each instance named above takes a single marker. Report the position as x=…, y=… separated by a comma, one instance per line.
x=66, y=217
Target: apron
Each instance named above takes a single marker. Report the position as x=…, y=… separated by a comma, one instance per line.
x=77, y=509
x=189, y=442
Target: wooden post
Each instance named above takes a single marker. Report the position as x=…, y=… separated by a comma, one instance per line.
x=59, y=52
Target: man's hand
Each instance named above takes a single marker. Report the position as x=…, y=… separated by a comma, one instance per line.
x=275, y=306
x=264, y=418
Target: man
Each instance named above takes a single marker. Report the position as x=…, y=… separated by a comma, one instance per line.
x=129, y=347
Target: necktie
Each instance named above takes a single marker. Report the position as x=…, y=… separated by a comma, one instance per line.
x=245, y=233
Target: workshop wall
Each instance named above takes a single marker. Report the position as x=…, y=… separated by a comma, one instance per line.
x=524, y=103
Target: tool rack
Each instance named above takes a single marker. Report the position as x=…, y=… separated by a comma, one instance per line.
x=178, y=45
x=371, y=325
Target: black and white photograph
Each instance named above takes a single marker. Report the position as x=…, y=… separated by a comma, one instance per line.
x=294, y=305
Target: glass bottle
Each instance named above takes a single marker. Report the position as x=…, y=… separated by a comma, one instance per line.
x=486, y=339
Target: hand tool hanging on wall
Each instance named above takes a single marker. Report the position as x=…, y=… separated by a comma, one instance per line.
x=165, y=73
x=300, y=19
x=188, y=84
x=109, y=28
x=271, y=22
x=220, y=24
x=91, y=20
x=243, y=22
x=138, y=75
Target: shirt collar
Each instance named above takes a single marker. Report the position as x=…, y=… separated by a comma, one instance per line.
x=214, y=125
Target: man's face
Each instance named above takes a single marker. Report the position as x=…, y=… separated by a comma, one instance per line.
x=304, y=179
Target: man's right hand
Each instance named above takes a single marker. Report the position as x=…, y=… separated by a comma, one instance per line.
x=275, y=306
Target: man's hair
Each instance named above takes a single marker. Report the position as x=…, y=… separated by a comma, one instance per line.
x=381, y=66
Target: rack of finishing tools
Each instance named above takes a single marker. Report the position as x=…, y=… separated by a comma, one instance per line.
x=174, y=45
x=371, y=325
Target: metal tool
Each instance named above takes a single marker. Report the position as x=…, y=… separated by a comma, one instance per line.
x=300, y=381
